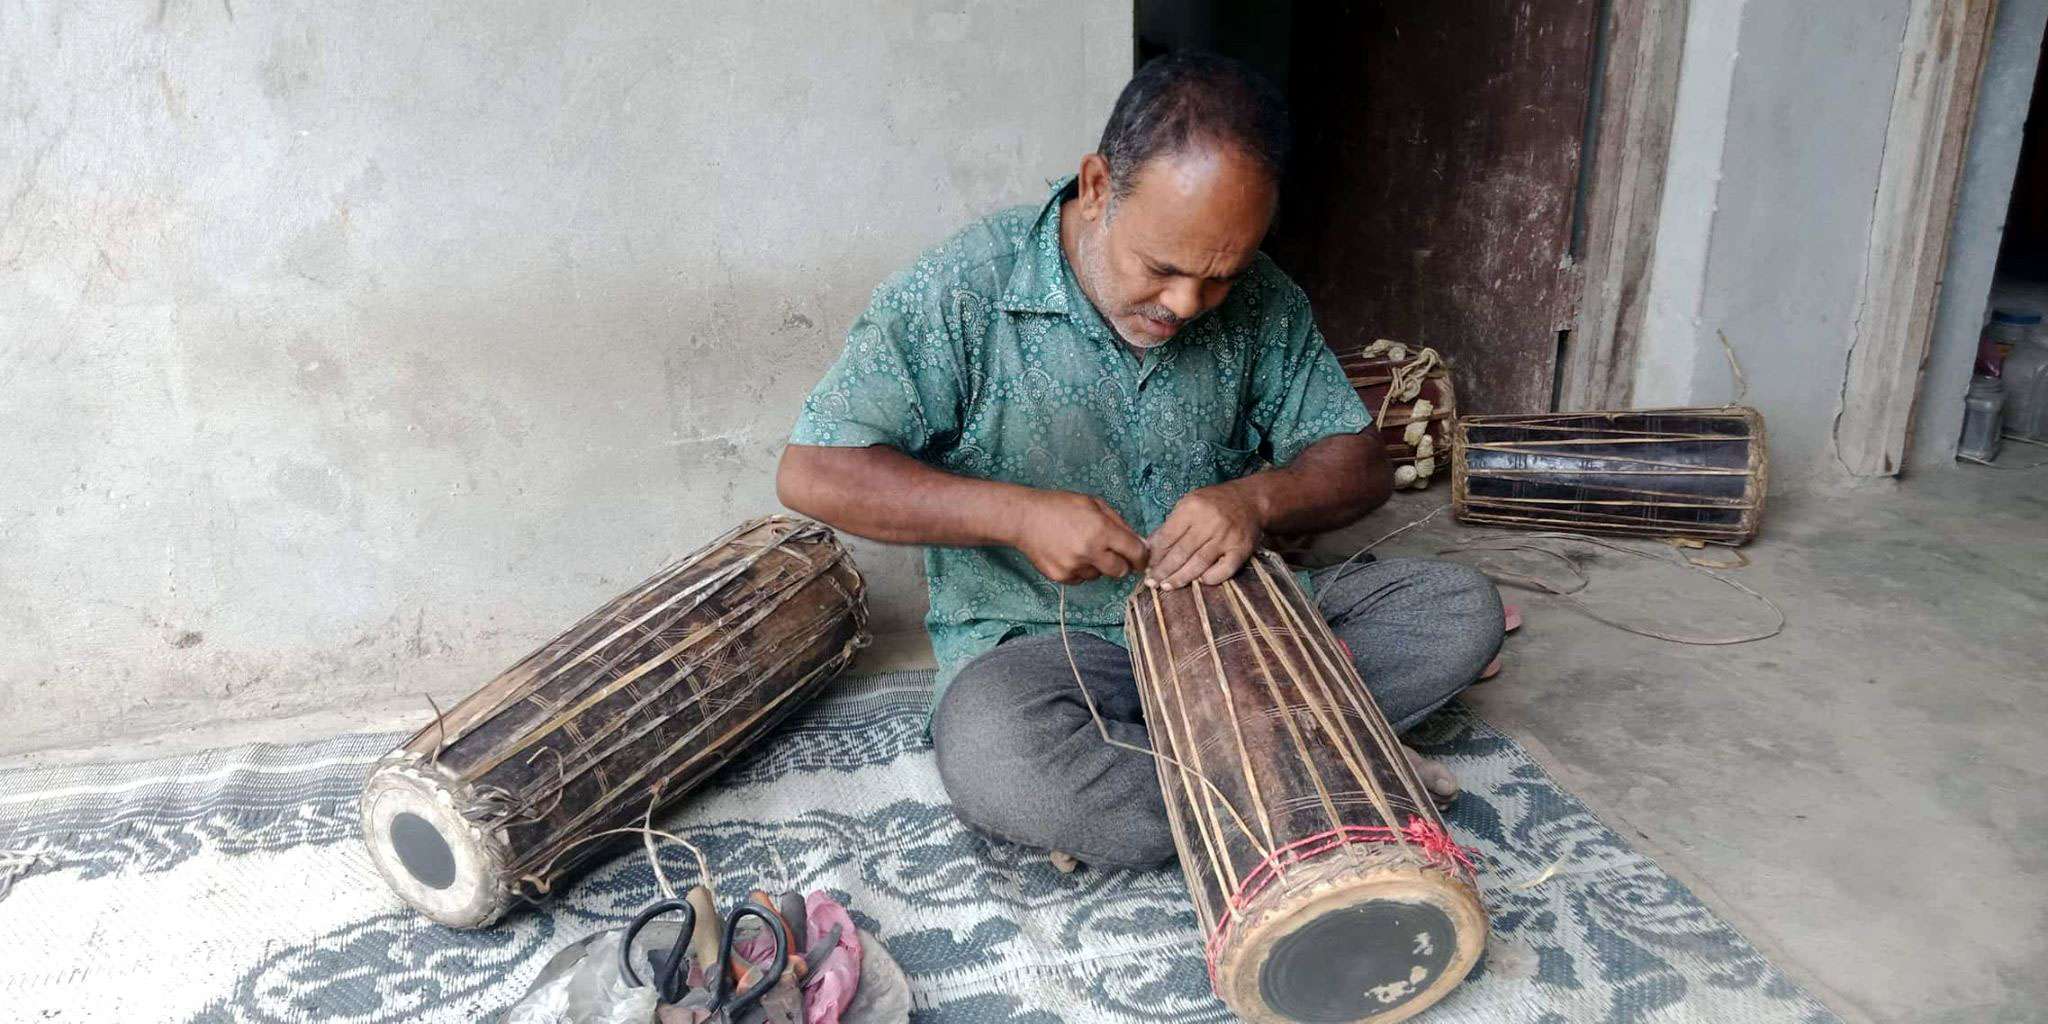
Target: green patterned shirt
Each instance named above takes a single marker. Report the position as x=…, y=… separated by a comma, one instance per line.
x=985, y=359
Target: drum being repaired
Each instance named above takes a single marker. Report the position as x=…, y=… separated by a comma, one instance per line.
x=1321, y=872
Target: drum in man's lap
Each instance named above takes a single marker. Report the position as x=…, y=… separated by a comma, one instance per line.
x=1322, y=875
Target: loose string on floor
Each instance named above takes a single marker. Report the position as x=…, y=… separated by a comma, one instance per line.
x=1533, y=543
x=1568, y=592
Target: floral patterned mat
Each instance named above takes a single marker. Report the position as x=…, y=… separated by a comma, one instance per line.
x=233, y=886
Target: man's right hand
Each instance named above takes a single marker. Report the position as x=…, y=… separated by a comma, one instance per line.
x=1074, y=538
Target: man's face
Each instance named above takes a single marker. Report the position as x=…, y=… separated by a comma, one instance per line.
x=1170, y=249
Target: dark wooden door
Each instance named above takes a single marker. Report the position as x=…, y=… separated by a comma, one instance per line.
x=1436, y=178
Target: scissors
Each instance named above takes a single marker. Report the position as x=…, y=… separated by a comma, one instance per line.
x=672, y=969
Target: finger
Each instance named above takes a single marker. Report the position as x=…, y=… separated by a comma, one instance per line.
x=1165, y=543
x=1131, y=548
x=1081, y=574
x=1109, y=562
x=1196, y=565
x=1175, y=527
x=1173, y=559
x=1226, y=566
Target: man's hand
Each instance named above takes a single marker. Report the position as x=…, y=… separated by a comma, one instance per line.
x=1074, y=538
x=1207, y=537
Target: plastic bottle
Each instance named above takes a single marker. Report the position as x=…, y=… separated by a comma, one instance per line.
x=1983, y=429
x=2026, y=390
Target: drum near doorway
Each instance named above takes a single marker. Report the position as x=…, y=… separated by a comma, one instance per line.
x=1693, y=473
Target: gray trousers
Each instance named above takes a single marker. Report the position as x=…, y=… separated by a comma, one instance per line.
x=1022, y=760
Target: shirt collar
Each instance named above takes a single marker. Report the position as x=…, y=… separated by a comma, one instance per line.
x=1038, y=283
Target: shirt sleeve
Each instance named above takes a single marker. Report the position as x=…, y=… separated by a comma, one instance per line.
x=897, y=382
x=1300, y=394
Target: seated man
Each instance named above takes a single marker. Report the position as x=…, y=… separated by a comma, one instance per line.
x=1114, y=385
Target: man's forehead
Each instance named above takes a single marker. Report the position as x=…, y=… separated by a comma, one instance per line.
x=1201, y=170
x=1187, y=223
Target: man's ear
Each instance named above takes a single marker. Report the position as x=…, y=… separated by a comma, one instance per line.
x=1093, y=183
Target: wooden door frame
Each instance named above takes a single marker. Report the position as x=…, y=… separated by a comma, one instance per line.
x=1629, y=142
x=1941, y=68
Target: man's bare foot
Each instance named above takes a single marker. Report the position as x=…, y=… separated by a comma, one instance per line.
x=1512, y=620
x=1063, y=862
x=1438, y=779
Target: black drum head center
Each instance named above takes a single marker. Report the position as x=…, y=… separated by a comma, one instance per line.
x=1359, y=961
x=422, y=849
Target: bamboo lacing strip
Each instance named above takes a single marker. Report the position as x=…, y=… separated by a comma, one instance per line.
x=590, y=752
x=705, y=757
x=760, y=604
x=597, y=688
x=1617, y=524
x=576, y=638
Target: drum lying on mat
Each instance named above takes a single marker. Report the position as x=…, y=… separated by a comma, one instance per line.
x=1696, y=473
x=642, y=700
x=1325, y=881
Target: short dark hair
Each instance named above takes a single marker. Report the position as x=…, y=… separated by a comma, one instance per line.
x=1186, y=97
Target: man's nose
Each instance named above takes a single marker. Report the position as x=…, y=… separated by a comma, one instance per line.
x=1183, y=297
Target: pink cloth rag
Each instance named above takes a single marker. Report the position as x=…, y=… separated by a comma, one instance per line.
x=825, y=998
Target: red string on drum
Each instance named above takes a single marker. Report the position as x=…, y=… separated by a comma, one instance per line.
x=1435, y=842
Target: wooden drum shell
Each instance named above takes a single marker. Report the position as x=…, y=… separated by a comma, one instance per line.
x=1308, y=842
x=1372, y=377
x=636, y=704
x=1697, y=473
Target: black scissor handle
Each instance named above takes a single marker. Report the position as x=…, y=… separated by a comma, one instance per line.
x=772, y=973
x=671, y=972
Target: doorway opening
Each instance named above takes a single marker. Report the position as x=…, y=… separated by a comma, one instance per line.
x=2010, y=380
x=1438, y=174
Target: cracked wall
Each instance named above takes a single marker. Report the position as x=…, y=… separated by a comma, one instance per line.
x=348, y=352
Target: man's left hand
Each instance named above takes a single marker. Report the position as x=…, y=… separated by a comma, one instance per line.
x=1208, y=537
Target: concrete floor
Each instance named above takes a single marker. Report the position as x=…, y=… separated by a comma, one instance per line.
x=1865, y=796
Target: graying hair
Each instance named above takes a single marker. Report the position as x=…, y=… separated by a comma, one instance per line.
x=1182, y=98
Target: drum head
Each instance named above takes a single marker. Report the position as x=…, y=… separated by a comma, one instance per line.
x=435, y=859
x=1378, y=948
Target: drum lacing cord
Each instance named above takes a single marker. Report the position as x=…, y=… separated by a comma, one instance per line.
x=1439, y=850
x=1102, y=729
x=648, y=834
x=1513, y=542
x=1567, y=592
x=1404, y=382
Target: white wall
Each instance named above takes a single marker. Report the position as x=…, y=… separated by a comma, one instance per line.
x=1666, y=352
x=1764, y=231
x=347, y=350
x=1777, y=143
